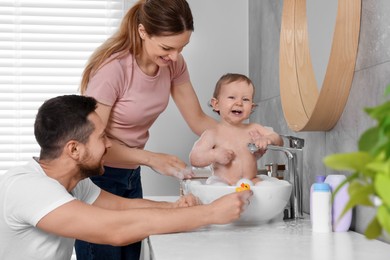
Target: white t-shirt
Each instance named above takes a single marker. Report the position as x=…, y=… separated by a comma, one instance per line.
x=27, y=194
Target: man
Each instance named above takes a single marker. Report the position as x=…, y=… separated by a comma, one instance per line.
x=50, y=201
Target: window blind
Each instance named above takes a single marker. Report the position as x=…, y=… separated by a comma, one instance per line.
x=44, y=46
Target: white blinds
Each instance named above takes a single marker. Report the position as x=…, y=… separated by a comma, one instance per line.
x=44, y=46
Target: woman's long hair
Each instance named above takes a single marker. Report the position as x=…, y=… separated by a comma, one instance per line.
x=159, y=18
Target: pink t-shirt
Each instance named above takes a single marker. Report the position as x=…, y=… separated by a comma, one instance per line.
x=136, y=98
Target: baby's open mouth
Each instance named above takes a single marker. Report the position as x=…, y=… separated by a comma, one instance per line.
x=236, y=112
x=166, y=59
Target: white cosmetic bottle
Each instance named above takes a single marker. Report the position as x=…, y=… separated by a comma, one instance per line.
x=321, y=209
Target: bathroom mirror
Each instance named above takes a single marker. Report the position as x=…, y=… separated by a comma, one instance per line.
x=320, y=34
x=308, y=106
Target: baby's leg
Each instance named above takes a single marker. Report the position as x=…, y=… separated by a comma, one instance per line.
x=256, y=181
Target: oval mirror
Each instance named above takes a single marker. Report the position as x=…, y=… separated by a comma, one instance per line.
x=306, y=106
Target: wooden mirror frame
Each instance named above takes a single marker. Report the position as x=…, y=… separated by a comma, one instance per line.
x=305, y=107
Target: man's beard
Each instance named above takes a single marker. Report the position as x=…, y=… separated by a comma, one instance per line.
x=87, y=171
x=90, y=171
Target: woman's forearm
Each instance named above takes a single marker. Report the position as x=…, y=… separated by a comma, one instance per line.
x=126, y=157
x=204, y=122
x=122, y=156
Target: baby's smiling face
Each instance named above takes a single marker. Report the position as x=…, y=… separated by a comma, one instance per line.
x=234, y=102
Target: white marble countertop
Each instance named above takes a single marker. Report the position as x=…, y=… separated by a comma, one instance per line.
x=280, y=240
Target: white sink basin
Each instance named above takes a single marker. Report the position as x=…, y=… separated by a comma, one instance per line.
x=269, y=198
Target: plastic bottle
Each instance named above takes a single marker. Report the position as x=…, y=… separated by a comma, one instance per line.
x=319, y=179
x=340, y=200
x=321, y=209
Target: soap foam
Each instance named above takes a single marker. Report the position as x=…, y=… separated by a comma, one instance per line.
x=215, y=180
x=265, y=181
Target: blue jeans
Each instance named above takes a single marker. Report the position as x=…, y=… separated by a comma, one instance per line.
x=125, y=183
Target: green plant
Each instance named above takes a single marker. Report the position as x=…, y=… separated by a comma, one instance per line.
x=369, y=183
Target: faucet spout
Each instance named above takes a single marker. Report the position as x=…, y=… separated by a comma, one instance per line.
x=294, y=142
x=296, y=204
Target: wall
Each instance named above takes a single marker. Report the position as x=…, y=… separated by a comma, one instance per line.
x=218, y=45
x=372, y=75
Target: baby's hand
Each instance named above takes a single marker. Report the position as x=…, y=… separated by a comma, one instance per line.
x=259, y=140
x=263, y=142
x=224, y=156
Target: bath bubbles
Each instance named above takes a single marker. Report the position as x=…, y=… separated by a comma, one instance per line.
x=244, y=180
x=215, y=180
x=195, y=182
x=270, y=181
x=203, y=171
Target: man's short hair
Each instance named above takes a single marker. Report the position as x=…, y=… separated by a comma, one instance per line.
x=61, y=119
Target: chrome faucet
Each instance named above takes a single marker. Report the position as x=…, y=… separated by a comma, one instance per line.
x=294, y=142
x=294, y=166
x=295, y=207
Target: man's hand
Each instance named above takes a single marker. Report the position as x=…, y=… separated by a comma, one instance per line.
x=188, y=200
x=230, y=207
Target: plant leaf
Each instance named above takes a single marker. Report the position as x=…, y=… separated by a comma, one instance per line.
x=379, y=165
x=373, y=229
x=347, y=180
x=382, y=187
x=387, y=90
x=355, y=161
x=379, y=112
x=368, y=138
x=359, y=194
x=383, y=215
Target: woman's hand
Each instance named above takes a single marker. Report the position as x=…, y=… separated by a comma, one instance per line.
x=170, y=165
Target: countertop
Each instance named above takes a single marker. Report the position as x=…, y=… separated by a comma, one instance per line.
x=279, y=240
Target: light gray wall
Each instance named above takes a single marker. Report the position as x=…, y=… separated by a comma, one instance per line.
x=218, y=45
x=372, y=75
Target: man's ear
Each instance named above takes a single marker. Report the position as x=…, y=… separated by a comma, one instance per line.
x=73, y=149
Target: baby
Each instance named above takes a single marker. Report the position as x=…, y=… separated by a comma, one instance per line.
x=225, y=146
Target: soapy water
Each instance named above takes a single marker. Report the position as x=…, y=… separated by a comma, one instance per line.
x=265, y=181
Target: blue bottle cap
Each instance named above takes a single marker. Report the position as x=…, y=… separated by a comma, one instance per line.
x=321, y=187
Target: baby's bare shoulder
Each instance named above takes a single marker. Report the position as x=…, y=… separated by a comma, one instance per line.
x=208, y=134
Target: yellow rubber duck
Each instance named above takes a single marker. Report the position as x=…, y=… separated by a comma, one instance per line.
x=243, y=186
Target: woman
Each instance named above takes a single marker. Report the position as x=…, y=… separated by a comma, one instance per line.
x=132, y=76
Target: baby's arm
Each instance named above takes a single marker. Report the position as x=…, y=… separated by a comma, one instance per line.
x=263, y=137
x=204, y=152
x=274, y=137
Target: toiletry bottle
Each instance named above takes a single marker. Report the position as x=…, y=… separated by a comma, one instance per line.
x=321, y=208
x=340, y=200
x=319, y=179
